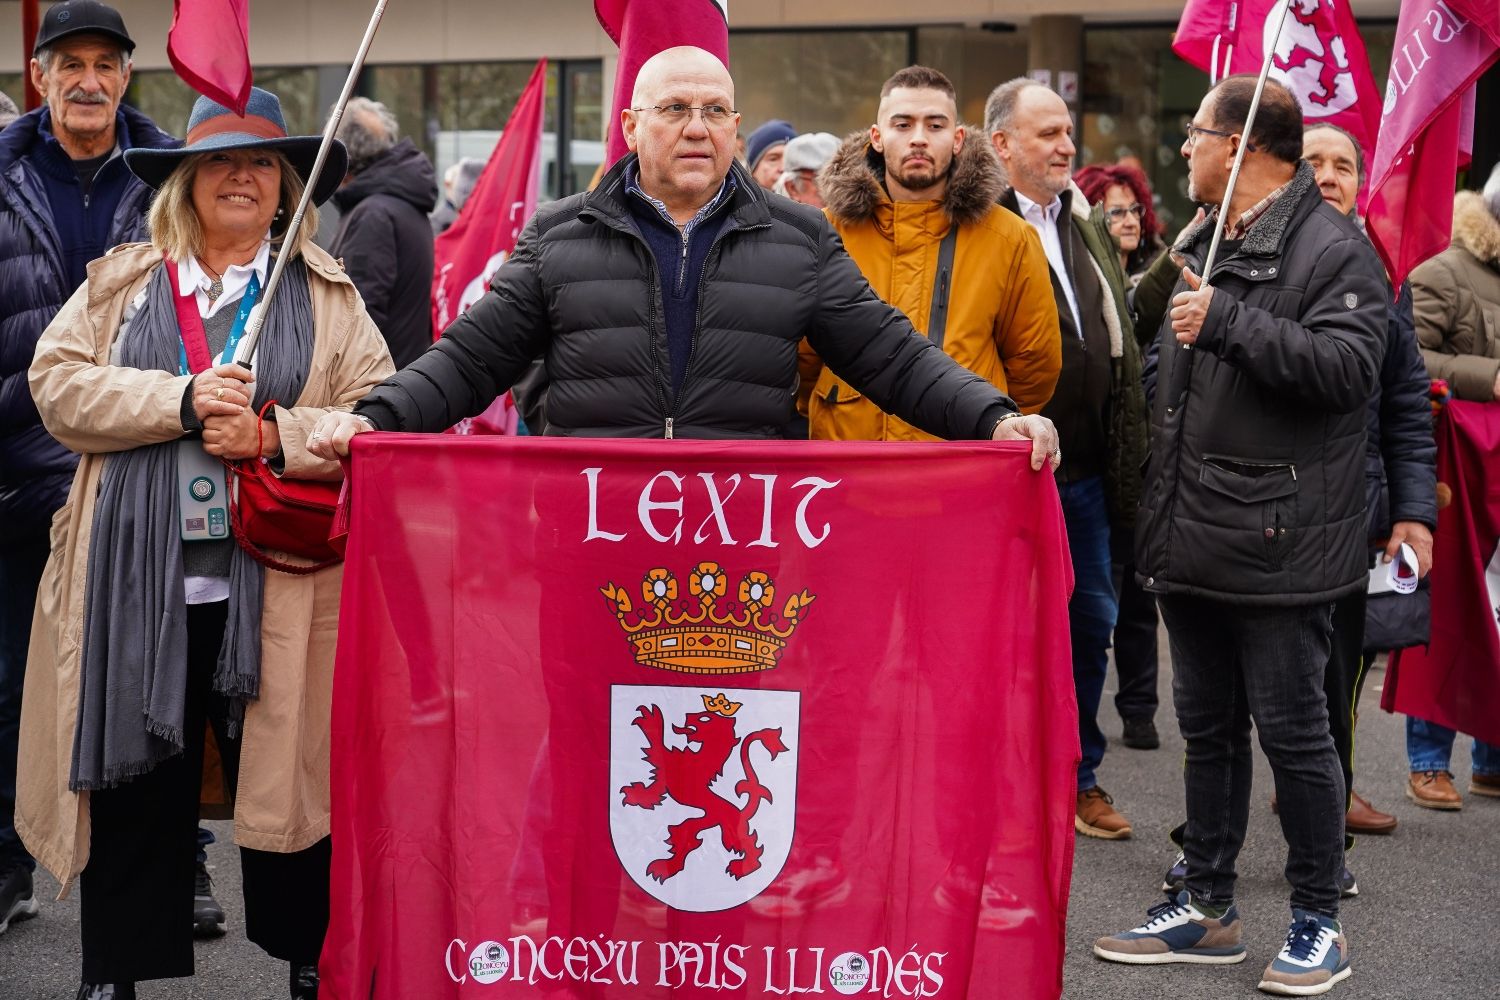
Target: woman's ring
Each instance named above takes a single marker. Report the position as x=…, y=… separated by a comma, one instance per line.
x=219, y=392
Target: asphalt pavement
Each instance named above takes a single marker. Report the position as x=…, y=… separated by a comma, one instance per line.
x=1423, y=927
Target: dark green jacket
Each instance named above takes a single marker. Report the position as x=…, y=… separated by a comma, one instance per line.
x=1128, y=432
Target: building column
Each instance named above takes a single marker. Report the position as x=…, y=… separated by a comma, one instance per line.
x=1055, y=55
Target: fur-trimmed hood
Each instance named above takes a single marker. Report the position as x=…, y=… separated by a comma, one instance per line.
x=1474, y=228
x=853, y=182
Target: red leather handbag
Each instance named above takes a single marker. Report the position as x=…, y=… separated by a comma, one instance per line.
x=295, y=516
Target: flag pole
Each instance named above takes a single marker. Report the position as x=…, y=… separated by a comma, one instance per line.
x=245, y=354
x=1239, y=154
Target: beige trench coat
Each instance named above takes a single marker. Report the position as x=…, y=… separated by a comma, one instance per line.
x=93, y=408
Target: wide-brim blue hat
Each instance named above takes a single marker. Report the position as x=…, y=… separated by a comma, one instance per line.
x=212, y=126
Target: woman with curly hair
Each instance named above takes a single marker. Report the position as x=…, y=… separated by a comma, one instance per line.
x=1122, y=197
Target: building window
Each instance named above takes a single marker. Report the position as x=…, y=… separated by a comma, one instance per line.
x=456, y=110
x=977, y=60
x=162, y=96
x=820, y=81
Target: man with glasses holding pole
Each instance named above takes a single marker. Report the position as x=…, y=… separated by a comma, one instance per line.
x=1252, y=521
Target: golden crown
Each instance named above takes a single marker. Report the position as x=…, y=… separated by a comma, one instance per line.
x=701, y=633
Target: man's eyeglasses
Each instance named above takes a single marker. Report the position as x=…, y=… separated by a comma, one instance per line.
x=714, y=115
x=1194, y=131
x=1118, y=214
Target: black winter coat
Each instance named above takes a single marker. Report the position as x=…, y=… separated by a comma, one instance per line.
x=582, y=290
x=1401, y=454
x=385, y=241
x=1255, y=489
x=35, y=471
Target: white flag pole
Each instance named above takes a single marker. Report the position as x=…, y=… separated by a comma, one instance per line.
x=245, y=353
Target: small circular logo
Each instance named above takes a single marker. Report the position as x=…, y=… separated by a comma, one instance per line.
x=850, y=973
x=64, y=15
x=201, y=488
x=489, y=961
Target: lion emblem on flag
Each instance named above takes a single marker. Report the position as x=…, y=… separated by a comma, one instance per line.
x=688, y=775
x=702, y=816
x=1312, y=60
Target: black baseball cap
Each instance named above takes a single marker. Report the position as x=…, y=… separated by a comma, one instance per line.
x=78, y=17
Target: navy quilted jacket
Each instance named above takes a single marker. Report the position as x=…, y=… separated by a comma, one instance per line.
x=36, y=471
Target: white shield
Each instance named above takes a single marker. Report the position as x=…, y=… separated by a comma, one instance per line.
x=681, y=799
x=1314, y=67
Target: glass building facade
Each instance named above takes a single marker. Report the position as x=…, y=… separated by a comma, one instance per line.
x=1135, y=95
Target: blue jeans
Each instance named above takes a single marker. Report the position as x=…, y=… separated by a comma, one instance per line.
x=21, y=568
x=1429, y=747
x=1232, y=664
x=1091, y=612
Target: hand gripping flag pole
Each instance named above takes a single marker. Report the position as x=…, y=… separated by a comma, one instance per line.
x=245, y=355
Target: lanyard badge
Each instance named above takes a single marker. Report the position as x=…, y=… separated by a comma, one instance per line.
x=202, y=486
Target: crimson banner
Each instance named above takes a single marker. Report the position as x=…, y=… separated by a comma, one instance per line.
x=700, y=719
x=1455, y=679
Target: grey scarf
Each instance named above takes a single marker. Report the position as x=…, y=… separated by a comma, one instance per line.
x=132, y=686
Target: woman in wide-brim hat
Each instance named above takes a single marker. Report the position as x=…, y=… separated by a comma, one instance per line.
x=146, y=636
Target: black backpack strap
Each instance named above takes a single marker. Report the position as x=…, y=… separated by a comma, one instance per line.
x=937, y=318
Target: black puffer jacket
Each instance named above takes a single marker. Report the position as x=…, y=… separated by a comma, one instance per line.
x=582, y=289
x=1255, y=490
x=385, y=241
x=35, y=471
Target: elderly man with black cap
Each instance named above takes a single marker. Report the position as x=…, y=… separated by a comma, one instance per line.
x=65, y=198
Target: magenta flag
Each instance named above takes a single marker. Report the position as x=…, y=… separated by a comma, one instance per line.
x=642, y=28
x=486, y=230
x=1484, y=14
x=1427, y=130
x=1320, y=55
x=700, y=720
x=491, y=220
x=209, y=47
x=1455, y=679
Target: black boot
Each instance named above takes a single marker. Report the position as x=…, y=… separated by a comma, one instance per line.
x=304, y=982
x=208, y=915
x=106, y=991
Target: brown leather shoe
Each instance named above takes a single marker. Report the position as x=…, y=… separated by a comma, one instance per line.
x=1097, y=816
x=1487, y=785
x=1433, y=790
x=1365, y=818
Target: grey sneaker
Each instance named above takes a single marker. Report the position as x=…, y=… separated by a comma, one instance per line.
x=17, y=902
x=1314, y=957
x=1177, y=931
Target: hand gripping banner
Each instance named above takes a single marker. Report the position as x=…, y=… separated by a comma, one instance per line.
x=625, y=720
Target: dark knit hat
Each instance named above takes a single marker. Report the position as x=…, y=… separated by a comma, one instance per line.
x=767, y=137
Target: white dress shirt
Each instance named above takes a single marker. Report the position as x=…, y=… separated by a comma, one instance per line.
x=236, y=278
x=1044, y=221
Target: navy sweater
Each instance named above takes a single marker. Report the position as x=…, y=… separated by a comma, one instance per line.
x=83, y=220
x=680, y=259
